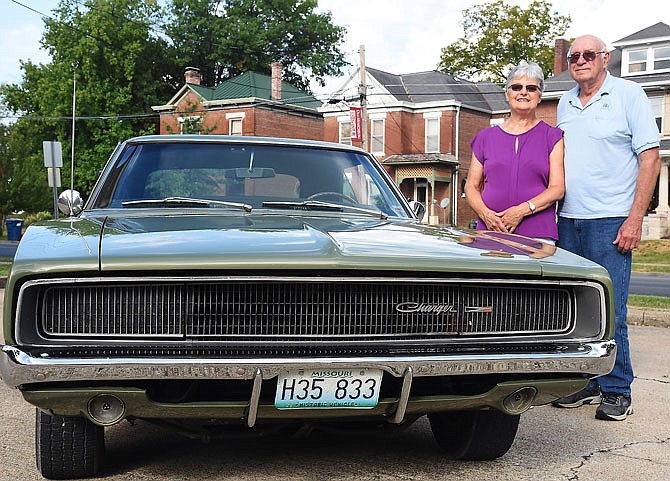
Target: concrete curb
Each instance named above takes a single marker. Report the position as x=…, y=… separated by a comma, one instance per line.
x=646, y=317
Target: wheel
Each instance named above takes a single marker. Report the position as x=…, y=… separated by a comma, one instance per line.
x=339, y=195
x=67, y=447
x=474, y=435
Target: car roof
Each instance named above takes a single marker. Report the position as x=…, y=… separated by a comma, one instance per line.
x=241, y=139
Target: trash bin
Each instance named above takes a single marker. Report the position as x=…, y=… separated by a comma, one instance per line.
x=14, y=227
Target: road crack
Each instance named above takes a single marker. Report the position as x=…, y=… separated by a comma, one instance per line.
x=652, y=379
x=586, y=458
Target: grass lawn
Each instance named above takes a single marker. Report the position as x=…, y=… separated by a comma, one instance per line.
x=649, y=302
x=652, y=256
x=5, y=264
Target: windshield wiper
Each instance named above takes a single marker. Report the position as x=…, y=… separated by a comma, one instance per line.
x=318, y=205
x=185, y=202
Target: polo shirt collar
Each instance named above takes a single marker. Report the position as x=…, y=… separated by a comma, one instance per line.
x=604, y=90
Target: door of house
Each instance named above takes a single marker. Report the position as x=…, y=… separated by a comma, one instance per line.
x=421, y=195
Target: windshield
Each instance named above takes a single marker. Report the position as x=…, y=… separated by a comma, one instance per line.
x=252, y=175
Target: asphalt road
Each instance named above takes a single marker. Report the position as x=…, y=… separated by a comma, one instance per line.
x=650, y=285
x=552, y=444
x=8, y=248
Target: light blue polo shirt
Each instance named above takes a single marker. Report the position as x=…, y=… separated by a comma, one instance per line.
x=602, y=142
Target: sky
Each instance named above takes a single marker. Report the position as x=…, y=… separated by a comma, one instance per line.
x=400, y=36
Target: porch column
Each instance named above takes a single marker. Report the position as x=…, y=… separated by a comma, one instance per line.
x=657, y=224
x=663, y=206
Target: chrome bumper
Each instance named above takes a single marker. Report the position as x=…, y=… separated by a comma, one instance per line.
x=18, y=368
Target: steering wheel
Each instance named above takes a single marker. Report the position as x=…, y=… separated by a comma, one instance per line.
x=332, y=194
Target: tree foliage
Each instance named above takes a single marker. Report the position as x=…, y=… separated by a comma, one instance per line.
x=127, y=55
x=120, y=68
x=227, y=37
x=498, y=36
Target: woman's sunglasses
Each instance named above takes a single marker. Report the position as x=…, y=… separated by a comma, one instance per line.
x=529, y=88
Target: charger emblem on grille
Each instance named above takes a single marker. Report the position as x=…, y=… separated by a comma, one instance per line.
x=426, y=308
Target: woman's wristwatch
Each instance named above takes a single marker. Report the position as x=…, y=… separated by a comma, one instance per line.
x=532, y=206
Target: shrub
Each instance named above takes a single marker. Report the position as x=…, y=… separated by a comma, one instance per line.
x=36, y=216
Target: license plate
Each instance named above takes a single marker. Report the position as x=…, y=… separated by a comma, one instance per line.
x=328, y=389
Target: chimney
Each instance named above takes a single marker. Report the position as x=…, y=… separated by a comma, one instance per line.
x=192, y=75
x=276, y=80
x=561, y=49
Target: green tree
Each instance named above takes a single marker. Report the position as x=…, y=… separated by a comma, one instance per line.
x=498, y=36
x=27, y=183
x=226, y=37
x=122, y=67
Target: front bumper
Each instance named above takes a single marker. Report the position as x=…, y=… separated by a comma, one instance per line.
x=18, y=368
x=42, y=381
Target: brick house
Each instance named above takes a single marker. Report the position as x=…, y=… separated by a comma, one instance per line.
x=643, y=57
x=249, y=104
x=419, y=127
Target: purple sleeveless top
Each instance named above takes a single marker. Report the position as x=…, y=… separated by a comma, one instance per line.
x=511, y=178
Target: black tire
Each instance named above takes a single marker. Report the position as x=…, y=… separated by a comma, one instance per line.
x=67, y=447
x=474, y=435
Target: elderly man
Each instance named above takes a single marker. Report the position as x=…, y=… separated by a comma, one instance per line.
x=611, y=166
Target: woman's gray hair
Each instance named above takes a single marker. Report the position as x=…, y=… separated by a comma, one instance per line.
x=526, y=69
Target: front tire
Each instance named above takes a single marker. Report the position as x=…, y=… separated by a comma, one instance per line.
x=474, y=435
x=67, y=447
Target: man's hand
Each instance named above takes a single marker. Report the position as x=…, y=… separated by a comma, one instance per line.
x=629, y=235
x=630, y=232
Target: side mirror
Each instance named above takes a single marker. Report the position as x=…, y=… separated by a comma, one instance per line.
x=418, y=209
x=70, y=203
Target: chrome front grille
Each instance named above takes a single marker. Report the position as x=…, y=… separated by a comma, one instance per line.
x=307, y=310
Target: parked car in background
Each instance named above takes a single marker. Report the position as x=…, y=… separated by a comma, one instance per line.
x=213, y=282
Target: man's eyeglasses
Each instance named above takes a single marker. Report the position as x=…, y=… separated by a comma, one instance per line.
x=529, y=88
x=588, y=56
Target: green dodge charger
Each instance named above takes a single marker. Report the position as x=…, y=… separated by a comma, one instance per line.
x=219, y=285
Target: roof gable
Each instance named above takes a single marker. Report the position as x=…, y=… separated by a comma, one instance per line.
x=658, y=31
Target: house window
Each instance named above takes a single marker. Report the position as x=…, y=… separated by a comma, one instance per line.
x=662, y=58
x=646, y=60
x=345, y=133
x=377, y=136
x=657, y=109
x=235, y=127
x=235, y=122
x=190, y=125
x=432, y=134
x=637, y=60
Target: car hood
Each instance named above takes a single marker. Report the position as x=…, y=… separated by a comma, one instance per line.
x=280, y=241
x=295, y=242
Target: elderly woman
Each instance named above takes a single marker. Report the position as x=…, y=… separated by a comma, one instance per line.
x=516, y=174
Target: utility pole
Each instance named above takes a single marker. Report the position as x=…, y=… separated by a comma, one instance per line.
x=362, y=91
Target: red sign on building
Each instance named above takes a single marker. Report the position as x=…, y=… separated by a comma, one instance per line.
x=355, y=119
